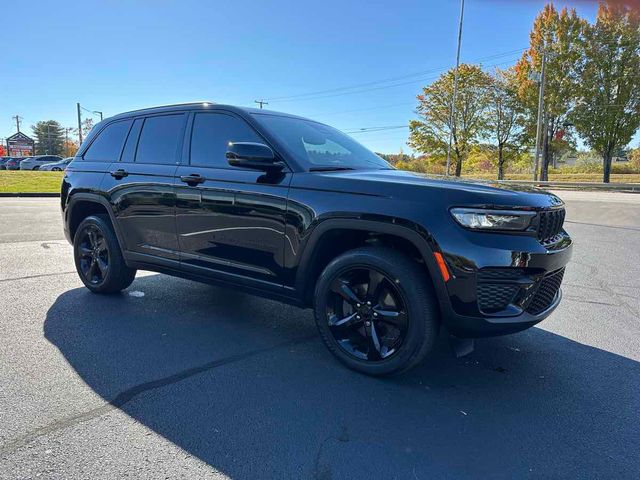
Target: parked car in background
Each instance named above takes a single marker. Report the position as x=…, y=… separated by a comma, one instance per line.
x=56, y=166
x=3, y=161
x=34, y=163
x=14, y=163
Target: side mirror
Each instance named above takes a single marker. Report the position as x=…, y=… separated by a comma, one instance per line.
x=255, y=156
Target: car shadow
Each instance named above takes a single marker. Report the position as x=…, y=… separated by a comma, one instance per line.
x=245, y=385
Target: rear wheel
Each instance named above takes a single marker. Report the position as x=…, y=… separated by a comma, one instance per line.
x=98, y=258
x=376, y=311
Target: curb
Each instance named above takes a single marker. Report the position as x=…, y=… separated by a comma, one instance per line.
x=29, y=194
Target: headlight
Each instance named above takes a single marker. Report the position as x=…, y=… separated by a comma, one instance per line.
x=482, y=219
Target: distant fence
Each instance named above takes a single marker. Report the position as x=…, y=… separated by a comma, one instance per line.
x=613, y=187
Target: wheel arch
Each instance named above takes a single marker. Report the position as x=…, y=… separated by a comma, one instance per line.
x=314, y=256
x=82, y=205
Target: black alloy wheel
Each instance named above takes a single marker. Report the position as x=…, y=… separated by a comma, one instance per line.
x=93, y=255
x=98, y=257
x=366, y=313
x=376, y=310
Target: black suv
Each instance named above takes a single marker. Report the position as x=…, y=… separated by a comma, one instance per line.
x=292, y=209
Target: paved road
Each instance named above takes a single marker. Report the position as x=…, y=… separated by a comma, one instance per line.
x=174, y=379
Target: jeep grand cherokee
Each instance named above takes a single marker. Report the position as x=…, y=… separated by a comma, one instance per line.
x=295, y=210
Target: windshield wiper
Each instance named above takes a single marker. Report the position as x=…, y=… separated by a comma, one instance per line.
x=329, y=168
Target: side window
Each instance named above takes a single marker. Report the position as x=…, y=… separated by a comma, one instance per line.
x=108, y=144
x=129, y=152
x=159, y=139
x=211, y=135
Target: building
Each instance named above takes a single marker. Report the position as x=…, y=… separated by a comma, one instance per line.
x=19, y=145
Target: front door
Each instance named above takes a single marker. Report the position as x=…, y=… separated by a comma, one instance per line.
x=230, y=221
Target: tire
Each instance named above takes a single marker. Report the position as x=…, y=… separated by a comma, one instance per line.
x=37, y=167
x=365, y=308
x=56, y=169
x=98, y=257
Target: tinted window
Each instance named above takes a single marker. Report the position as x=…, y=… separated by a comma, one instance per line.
x=129, y=152
x=159, y=139
x=211, y=135
x=319, y=145
x=108, y=144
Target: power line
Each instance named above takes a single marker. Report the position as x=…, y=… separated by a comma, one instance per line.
x=380, y=107
x=373, y=129
x=390, y=79
x=379, y=87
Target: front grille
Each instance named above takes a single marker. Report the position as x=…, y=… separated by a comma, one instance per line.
x=550, y=224
x=546, y=293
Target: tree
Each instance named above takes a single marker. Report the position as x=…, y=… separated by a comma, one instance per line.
x=49, y=137
x=559, y=35
x=69, y=148
x=431, y=133
x=503, y=116
x=87, y=125
x=607, y=113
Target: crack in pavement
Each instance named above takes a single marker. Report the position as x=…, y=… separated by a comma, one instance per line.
x=126, y=396
x=26, y=277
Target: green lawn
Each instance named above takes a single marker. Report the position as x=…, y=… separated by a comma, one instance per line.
x=45, y=182
x=24, y=181
x=564, y=177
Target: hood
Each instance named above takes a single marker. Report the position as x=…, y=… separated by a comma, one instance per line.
x=409, y=185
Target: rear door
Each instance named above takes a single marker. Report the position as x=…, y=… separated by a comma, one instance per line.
x=231, y=223
x=140, y=187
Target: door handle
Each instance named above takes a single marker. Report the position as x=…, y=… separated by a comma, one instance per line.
x=192, y=179
x=120, y=173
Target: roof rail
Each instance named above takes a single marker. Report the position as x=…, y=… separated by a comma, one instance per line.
x=183, y=104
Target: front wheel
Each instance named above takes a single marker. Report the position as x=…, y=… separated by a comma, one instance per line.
x=376, y=310
x=98, y=258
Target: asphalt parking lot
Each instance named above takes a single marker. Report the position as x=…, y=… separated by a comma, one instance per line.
x=173, y=379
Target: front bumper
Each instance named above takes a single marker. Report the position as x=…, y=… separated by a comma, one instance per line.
x=502, y=284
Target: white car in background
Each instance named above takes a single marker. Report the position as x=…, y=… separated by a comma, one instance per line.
x=56, y=166
x=34, y=163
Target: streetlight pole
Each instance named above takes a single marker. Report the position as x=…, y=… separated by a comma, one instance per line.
x=455, y=89
x=99, y=113
x=540, y=110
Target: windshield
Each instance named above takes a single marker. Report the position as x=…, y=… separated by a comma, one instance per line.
x=319, y=146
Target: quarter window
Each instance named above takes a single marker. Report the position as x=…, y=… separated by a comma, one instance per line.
x=159, y=139
x=108, y=144
x=211, y=135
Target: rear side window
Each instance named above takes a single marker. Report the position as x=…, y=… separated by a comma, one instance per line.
x=129, y=152
x=108, y=144
x=159, y=139
x=211, y=135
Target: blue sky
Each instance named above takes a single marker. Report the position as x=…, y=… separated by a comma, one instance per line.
x=117, y=56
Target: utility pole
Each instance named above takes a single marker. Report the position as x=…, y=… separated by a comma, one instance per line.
x=261, y=102
x=17, y=118
x=455, y=89
x=99, y=113
x=79, y=125
x=540, y=110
